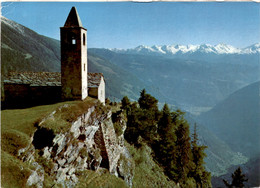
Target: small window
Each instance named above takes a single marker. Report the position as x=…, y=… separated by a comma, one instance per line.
x=84, y=39
x=73, y=41
x=84, y=67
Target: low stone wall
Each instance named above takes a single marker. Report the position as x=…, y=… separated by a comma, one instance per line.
x=24, y=95
x=93, y=92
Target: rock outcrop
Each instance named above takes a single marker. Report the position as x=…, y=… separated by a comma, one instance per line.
x=91, y=143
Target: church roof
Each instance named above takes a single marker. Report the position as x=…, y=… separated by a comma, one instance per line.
x=94, y=79
x=73, y=19
x=46, y=78
x=34, y=78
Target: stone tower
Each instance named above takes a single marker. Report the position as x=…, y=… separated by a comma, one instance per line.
x=74, y=73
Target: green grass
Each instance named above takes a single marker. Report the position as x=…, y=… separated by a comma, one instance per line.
x=67, y=114
x=100, y=179
x=17, y=128
x=14, y=173
x=23, y=120
x=147, y=172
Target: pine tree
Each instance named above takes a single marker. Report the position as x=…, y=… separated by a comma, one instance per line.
x=166, y=153
x=148, y=102
x=125, y=104
x=183, y=152
x=194, y=136
x=133, y=123
x=200, y=175
x=164, y=121
x=149, y=116
x=238, y=179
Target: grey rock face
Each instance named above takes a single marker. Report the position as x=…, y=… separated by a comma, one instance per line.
x=91, y=143
x=37, y=176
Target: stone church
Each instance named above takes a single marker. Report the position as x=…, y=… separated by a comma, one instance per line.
x=22, y=89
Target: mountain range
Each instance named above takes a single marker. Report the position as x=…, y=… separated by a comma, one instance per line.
x=196, y=83
x=200, y=83
x=189, y=49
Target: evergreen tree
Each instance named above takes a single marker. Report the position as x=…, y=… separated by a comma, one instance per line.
x=168, y=133
x=125, y=104
x=148, y=102
x=194, y=137
x=166, y=152
x=183, y=152
x=148, y=117
x=133, y=123
x=200, y=175
x=238, y=179
x=164, y=121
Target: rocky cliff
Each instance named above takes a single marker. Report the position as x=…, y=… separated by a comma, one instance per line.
x=88, y=141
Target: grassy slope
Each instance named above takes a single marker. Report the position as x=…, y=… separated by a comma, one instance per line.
x=17, y=128
x=26, y=50
x=147, y=172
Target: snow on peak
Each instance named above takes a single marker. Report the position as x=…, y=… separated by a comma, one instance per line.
x=12, y=24
x=188, y=49
x=226, y=49
x=255, y=48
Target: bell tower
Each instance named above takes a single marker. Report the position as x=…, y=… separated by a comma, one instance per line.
x=74, y=73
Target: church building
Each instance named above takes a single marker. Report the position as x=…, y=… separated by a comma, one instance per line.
x=22, y=89
x=74, y=72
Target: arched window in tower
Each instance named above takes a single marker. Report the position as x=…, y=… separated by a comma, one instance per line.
x=73, y=40
x=84, y=39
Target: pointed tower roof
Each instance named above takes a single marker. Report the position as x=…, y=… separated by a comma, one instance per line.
x=73, y=19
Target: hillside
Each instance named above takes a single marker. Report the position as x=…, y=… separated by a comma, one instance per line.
x=194, y=82
x=220, y=156
x=236, y=120
x=120, y=82
x=251, y=169
x=25, y=50
x=69, y=155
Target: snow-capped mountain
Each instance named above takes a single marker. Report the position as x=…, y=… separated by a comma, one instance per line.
x=13, y=25
x=190, y=49
x=252, y=49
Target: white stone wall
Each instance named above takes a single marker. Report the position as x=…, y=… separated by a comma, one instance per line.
x=84, y=64
x=101, y=91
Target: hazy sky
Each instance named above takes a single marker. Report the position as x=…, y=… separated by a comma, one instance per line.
x=128, y=24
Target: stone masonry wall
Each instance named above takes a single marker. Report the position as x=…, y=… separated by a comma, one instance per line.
x=24, y=95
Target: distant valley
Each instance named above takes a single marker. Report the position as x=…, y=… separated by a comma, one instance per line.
x=236, y=120
x=196, y=83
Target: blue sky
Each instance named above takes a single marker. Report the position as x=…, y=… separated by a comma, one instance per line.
x=129, y=24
